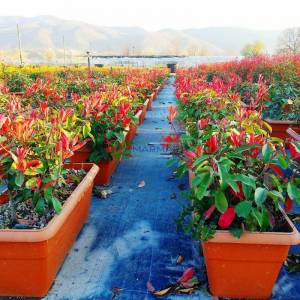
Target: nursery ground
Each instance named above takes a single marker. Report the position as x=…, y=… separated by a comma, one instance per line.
x=130, y=237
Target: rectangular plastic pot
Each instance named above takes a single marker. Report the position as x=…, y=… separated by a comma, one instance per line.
x=151, y=99
x=30, y=259
x=132, y=131
x=248, y=267
x=106, y=167
x=279, y=127
x=144, y=110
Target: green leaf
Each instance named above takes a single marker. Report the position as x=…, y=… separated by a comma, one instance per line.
x=109, y=134
x=260, y=195
x=201, y=189
x=119, y=136
x=261, y=217
x=231, y=182
x=200, y=160
x=275, y=195
x=19, y=179
x=86, y=130
x=236, y=232
x=30, y=183
x=247, y=191
x=276, y=182
x=56, y=205
x=196, y=181
x=282, y=161
x=265, y=220
x=221, y=201
x=293, y=192
x=48, y=194
x=266, y=153
x=34, y=171
x=171, y=162
x=40, y=206
x=247, y=180
x=243, y=209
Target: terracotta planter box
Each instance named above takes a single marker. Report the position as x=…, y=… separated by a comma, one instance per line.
x=279, y=127
x=151, y=99
x=106, y=167
x=30, y=259
x=132, y=131
x=247, y=267
x=144, y=110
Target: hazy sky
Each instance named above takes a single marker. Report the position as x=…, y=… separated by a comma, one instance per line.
x=157, y=14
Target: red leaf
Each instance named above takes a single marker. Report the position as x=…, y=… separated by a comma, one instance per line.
x=240, y=193
x=150, y=287
x=209, y=212
x=272, y=219
x=80, y=145
x=288, y=204
x=276, y=170
x=51, y=182
x=187, y=275
x=202, y=123
x=227, y=218
x=172, y=113
x=295, y=152
x=212, y=144
x=32, y=163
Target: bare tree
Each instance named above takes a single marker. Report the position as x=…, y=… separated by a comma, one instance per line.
x=289, y=41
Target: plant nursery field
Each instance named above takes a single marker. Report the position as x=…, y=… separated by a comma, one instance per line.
x=138, y=183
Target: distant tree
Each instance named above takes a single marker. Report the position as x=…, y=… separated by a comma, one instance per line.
x=253, y=49
x=289, y=41
x=49, y=55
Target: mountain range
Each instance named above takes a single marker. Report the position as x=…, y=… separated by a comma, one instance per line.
x=48, y=33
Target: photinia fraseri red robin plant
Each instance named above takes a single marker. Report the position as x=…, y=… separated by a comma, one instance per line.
x=34, y=148
x=241, y=176
x=108, y=124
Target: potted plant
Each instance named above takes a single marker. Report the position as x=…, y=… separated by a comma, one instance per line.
x=109, y=126
x=241, y=180
x=283, y=110
x=47, y=205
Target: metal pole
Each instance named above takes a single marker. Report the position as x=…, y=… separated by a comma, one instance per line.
x=19, y=42
x=89, y=61
x=63, y=40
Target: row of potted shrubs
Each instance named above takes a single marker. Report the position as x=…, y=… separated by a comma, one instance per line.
x=55, y=144
x=243, y=181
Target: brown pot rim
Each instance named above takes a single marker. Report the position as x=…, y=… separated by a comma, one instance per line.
x=268, y=238
x=283, y=122
x=138, y=114
x=39, y=235
x=146, y=102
